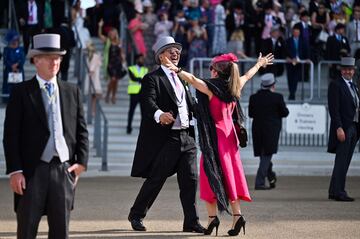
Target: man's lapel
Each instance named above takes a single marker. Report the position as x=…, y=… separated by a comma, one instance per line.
x=167, y=84
x=64, y=102
x=189, y=99
x=36, y=99
x=347, y=90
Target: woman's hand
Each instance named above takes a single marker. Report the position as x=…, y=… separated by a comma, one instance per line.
x=166, y=62
x=266, y=60
x=101, y=23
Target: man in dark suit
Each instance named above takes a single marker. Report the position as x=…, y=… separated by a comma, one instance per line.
x=31, y=19
x=166, y=143
x=45, y=143
x=296, y=49
x=307, y=36
x=305, y=28
x=67, y=43
x=274, y=44
x=343, y=101
x=266, y=108
x=337, y=46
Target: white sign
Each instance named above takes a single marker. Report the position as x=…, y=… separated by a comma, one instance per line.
x=306, y=119
x=85, y=4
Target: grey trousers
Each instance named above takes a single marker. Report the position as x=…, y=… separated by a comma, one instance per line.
x=262, y=173
x=49, y=191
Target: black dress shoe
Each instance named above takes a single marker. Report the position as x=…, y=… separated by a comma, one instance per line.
x=194, y=228
x=272, y=180
x=343, y=198
x=137, y=224
x=262, y=187
x=331, y=197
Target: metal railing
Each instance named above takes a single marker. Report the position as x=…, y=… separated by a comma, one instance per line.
x=101, y=124
x=291, y=139
x=323, y=62
x=13, y=20
x=203, y=60
x=286, y=139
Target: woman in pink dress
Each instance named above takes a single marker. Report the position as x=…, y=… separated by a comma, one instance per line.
x=136, y=27
x=222, y=178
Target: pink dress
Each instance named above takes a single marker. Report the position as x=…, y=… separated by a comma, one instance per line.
x=228, y=147
x=138, y=35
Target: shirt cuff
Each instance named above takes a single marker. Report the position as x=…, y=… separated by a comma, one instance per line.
x=15, y=172
x=157, y=115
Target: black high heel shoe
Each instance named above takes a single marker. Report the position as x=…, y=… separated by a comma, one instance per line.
x=238, y=225
x=213, y=224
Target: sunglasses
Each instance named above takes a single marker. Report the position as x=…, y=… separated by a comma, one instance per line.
x=173, y=51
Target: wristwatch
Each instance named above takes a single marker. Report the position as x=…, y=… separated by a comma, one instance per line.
x=178, y=70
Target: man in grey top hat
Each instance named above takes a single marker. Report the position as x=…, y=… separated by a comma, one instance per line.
x=45, y=143
x=267, y=109
x=166, y=143
x=343, y=101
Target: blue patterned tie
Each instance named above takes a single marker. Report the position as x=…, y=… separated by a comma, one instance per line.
x=50, y=88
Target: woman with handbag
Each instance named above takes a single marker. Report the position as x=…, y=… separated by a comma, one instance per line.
x=14, y=59
x=222, y=178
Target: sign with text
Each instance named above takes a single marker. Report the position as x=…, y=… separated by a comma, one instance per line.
x=306, y=119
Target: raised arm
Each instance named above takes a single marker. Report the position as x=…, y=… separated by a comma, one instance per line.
x=186, y=76
x=100, y=35
x=261, y=62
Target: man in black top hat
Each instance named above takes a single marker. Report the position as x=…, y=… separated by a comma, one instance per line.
x=337, y=46
x=343, y=100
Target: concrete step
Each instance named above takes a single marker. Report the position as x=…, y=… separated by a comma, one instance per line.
x=300, y=161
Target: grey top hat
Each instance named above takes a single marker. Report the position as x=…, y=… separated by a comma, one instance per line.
x=348, y=62
x=45, y=44
x=267, y=80
x=162, y=44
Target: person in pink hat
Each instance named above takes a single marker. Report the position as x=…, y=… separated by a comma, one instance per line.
x=222, y=178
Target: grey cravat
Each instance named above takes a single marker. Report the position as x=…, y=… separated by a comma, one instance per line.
x=49, y=150
x=56, y=144
x=354, y=93
x=356, y=100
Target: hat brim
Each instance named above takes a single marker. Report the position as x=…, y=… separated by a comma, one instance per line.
x=267, y=86
x=346, y=66
x=35, y=52
x=163, y=48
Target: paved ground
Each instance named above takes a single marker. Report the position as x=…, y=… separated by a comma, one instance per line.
x=297, y=208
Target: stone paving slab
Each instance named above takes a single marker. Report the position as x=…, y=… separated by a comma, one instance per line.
x=297, y=208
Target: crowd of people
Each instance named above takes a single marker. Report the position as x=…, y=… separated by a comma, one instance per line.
x=292, y=30
x=44, y=170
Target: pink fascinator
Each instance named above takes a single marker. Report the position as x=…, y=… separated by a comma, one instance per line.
x=225, y=57
x=214, y=2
